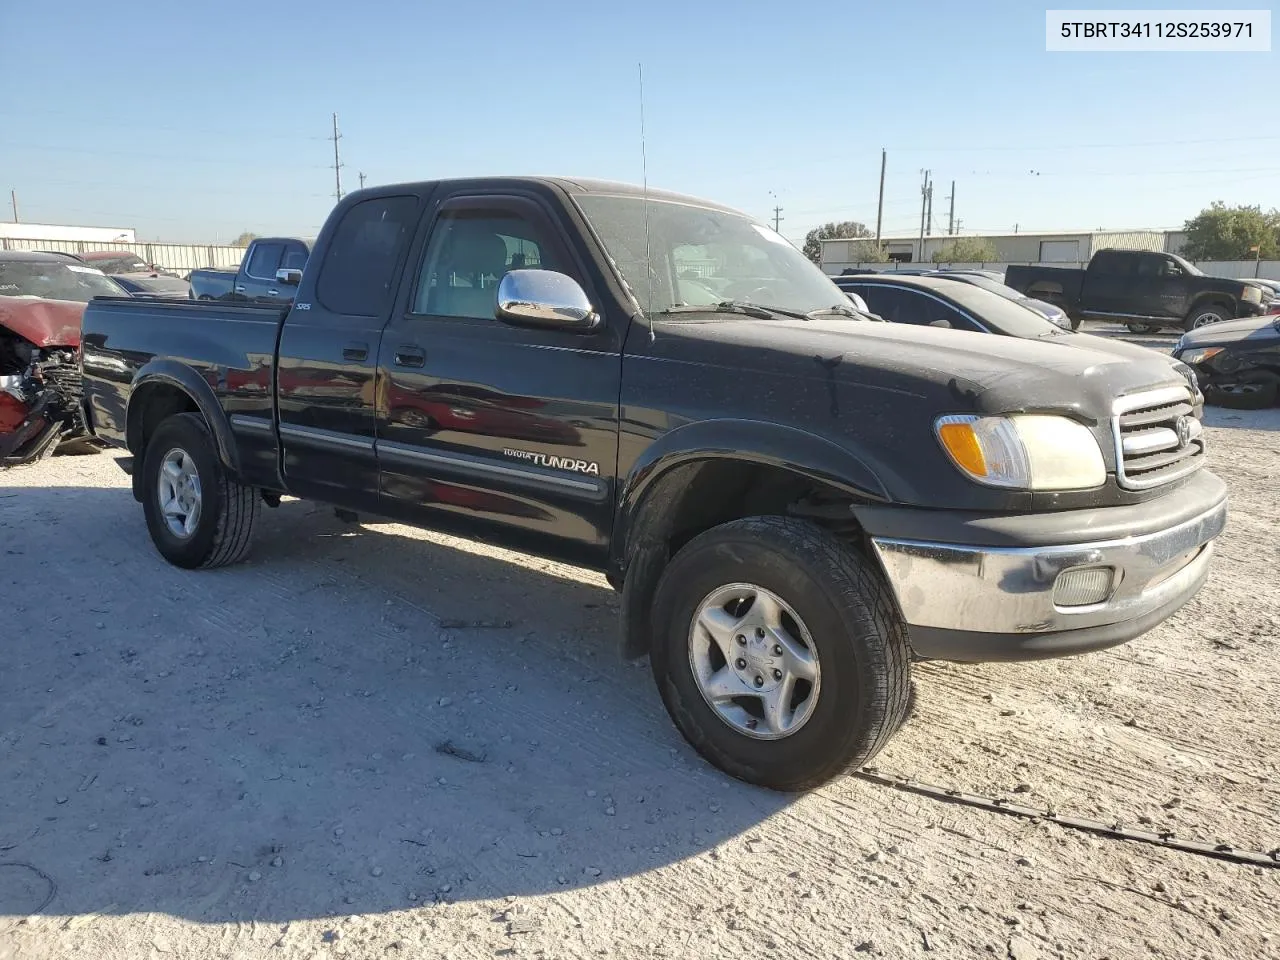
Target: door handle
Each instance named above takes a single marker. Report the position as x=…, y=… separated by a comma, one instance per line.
x=239, y=288
x=273, y=293
x=410, y=356
x=355, y=351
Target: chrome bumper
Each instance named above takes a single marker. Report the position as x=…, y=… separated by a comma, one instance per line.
x=996, y=603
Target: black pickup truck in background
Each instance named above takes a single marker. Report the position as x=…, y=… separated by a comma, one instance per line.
x=794, y=502
x=1146, y=291
x=270, y=271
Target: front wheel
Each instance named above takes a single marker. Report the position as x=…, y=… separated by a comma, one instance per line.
x=1203, y=316
x=197, y=515
x=779, y=653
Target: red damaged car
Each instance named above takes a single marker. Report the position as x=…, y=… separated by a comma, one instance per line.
x=42, y=298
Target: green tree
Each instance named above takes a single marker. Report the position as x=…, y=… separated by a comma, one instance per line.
x=1220, y=232
x=967, y=250
x=867, y=251
x=846, y=230
x=244, y=239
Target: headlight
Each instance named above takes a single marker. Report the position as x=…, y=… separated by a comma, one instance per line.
x=1252, y=294
x=1200, y=354
x=1023, y=451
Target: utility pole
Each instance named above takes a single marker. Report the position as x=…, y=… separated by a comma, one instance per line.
x=13, y=198
x=337, y=164
x=361, y=175
x=884, y=154
x=951, y=217
x=928, y=221
x=924, y=209
x=777, y=219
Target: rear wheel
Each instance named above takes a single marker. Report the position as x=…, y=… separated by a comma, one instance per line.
x=197, y=515
x=779, y=653
x=1251, y=391
x=1203, y=316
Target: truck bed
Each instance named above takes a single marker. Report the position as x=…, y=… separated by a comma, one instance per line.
x=228, y=349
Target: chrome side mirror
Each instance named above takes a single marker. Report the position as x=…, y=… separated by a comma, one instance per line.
x=545, y=299
x=289, y=276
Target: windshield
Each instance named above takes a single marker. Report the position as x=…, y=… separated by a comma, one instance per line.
x=55, y=280
x=1189, y=268
x=701, y=257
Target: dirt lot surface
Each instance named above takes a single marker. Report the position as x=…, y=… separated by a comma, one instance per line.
x=371, y=741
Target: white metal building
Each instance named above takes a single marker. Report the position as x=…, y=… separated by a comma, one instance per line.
x=53, y=231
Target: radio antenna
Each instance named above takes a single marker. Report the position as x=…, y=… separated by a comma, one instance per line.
x=644, y=187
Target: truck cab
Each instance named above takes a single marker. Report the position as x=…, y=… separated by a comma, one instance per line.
x=268, y=273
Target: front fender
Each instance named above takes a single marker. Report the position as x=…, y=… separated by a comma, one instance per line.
x=172, y=373
x=770, y=444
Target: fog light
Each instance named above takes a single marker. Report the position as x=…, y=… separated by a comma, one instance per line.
x=1082, y=588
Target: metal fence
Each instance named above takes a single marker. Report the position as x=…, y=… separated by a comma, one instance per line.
x=179, y=257
x=1232, y=269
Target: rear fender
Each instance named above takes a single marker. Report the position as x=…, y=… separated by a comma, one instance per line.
x=170, y=373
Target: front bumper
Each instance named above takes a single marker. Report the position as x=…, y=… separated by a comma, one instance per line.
x=1003, y=599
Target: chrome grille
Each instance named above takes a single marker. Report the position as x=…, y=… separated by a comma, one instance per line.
x=1158, y=439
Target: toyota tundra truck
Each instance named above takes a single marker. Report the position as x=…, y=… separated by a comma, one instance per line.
x=794, y=502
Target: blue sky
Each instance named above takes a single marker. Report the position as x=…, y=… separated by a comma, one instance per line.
x=194, y=122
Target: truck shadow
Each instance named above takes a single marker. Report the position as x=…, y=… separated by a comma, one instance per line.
x=360, y=719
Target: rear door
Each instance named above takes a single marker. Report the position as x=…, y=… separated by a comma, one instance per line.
x=326, y=376
x=1108, y=284
x=511, y=427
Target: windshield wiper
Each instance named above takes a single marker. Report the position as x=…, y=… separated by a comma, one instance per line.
x=745, y=307
x=839, y=309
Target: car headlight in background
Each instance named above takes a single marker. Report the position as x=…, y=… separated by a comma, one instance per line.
x=1023, y=451
x=1200, y=354
x=1252, y=294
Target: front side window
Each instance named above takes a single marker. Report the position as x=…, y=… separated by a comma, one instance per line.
x=265, y=261
x=469, y=253
x=295, y=257
x=673, y=254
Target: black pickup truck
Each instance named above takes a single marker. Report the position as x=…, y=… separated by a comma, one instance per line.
x=794, y=502
x=1146, y=291
x=269, y=272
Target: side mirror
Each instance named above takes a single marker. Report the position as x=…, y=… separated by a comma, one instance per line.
x=289, y=276
x=545, y=299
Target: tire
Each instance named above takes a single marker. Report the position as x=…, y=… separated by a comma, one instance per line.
x=225, y=512
x=1203, y=316
x=841, y=611
x=1144, y=327
x=1256, y=391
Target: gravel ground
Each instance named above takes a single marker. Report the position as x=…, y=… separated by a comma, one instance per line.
x=373, y=741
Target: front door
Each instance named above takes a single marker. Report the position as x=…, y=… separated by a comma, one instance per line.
x=1160, y=287
x=326, y=379
x=514, y=428
x=259, y=273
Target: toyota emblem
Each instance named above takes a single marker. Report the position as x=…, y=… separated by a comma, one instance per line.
x=1184, y=431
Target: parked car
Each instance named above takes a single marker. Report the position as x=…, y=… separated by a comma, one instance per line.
x=152, y=286
x=1146, y=291
x=42, y=297
x=258, y=276
x=944, y=301
x=1237, y=363
x=114, y=262
x=794, y=502
x=1054, y=314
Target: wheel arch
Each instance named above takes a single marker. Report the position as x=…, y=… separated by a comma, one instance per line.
x=709, y=473
x=164, y=387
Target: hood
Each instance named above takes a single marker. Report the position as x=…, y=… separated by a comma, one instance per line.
x=45, y=323
x=1118, y=348
x=977, y=371
x=1231, y=331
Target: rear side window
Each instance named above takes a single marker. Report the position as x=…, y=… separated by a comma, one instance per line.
x=265, y=261
x=1112, y=264
x=357, y=277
